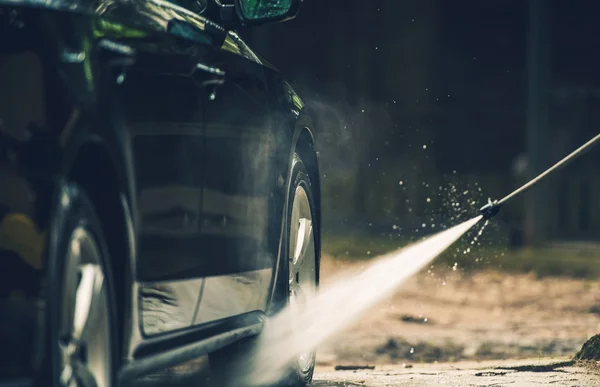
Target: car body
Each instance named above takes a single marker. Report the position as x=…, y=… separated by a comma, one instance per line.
x=183, y=139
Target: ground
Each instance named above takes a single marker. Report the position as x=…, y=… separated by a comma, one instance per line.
x=450, y=316
x=476, y=328
x=524, y=373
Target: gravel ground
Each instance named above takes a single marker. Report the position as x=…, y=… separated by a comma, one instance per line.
x=448, y=316
x=516, y=373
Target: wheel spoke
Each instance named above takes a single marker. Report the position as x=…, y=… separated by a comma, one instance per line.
x=302, y=265
x=66, y=376
x=84, y=337
x=303, y=241
x=87, y=293
x=294, y=234
x=83, y=375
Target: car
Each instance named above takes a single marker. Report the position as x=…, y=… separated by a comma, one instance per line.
x=159, y=189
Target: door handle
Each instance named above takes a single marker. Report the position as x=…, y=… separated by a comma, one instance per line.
x=209, y=78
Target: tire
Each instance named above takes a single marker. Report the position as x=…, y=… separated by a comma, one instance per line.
x=82, y=327
x=300, y=371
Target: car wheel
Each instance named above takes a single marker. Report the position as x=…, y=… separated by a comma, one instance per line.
x=299, y=273
x=301, y=270
x=82, y=326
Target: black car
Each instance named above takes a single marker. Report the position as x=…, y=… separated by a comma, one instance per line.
x=159, y=189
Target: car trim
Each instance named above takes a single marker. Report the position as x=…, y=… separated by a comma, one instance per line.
x=166, y=341
x=176, y=356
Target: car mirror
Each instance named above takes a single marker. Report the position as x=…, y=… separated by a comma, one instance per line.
x=254, y=12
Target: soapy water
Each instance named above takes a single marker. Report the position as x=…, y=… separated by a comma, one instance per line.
x=301, y=328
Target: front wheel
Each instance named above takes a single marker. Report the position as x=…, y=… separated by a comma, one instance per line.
x=302, y=262
x=82, y=326
x=298, y=281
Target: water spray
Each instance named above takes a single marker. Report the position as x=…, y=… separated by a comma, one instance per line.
x=493, y=206
x=304, y=327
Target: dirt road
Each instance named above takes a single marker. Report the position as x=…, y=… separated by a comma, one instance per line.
x=522, y=373
x=449, y=316
x=451, y=328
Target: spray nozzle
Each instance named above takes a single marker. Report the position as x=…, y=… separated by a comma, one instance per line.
x=490, y=209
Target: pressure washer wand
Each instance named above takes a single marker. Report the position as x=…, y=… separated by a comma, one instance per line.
x=492, y=207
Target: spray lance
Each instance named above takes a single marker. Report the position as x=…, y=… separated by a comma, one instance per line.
x=493, y=206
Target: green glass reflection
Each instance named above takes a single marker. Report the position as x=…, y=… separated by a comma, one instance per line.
x=265, y=9
x=107, y=28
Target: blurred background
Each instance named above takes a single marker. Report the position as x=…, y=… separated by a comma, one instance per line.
x=424, y=104
x=424, y=109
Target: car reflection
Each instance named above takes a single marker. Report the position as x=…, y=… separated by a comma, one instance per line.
x=234, y=294
x=168, y=306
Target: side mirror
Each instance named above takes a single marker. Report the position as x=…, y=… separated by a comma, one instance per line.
x=255, y=12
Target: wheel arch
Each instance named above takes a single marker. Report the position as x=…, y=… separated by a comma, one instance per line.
x=95, y=170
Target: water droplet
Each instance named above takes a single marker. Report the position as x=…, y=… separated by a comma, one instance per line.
x=423, y=225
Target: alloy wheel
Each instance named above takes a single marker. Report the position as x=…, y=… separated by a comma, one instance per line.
x=84, y=324
x=302, y=261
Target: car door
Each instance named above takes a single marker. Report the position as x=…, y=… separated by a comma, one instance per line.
x=238, y=227
x=163, y=85
x=205, y=192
